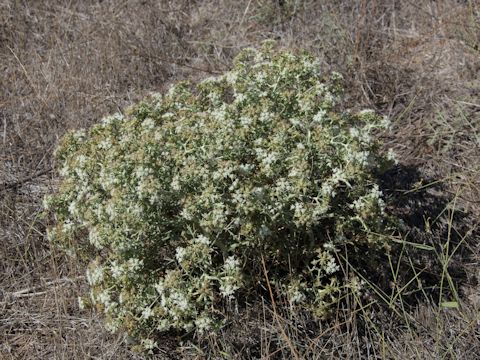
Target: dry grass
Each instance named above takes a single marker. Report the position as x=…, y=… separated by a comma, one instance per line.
x=65, y=64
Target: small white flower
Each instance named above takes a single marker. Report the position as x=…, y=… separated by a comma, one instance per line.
x=354, y=132
x=228, y=288
x=264, y=231
x=356, y=284
x=269, y=159
x=64, y=170
x=81, y=159
x=266, y=117
x=293, y=173
x=180, y=254
x=296, y=297
x=210, y=80
x=231, y=77
x=231, y=264
x=320, y=116
x=110, y=210
x=338, y=175
x=295, y=122
x=179, y=300
x=336, y=76
x=246, y=168
x=117, y=270
x=104, y=298
x=258, y=191
x=239, y=97
x=81, y=303
x=142, y=172
x=375, y=192
x=386, y=123
x=331, y=266
x=175, y=184
x=202, y=239
x=112, y=326
x=327, y=189
x=168, y=115
x=160, y=288
x=95, y=275
x=51, y=235
x=73, y=208
x=68, y=226
x=329, y=246
x=246, y=121
x=214, y=97
x=392, y=156
x=148, y=123
x=47, y=202
x=104, y=145
x=260, y=77
x=329, y=98
x=134, y=264
x=111, y=119
x=203, y=323
x=163, y=325
x=359, y=157
x=149, y=344
x=147, y=313
x=186, y=214
x=80, y=135
x=220, y=114
x=367, y=112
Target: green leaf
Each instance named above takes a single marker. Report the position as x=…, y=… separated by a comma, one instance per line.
x=450, y=305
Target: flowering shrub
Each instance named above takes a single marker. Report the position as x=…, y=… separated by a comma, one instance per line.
x=180, y=203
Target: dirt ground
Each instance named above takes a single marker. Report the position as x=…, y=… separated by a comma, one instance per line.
x=66, y=64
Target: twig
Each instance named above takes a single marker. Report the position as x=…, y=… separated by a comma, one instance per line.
x=31, y=291
x=7, y=186
x=173, y=62
x=289, y=343
x=467, y=103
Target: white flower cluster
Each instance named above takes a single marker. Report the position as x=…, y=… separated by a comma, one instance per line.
x=185, y=196
x=231, y=278
x=325, y=262
x=296, y=292
x=95, y=275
